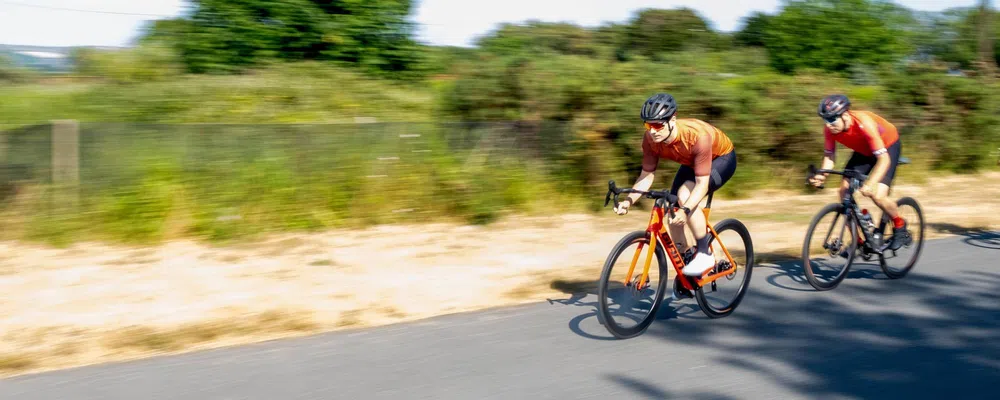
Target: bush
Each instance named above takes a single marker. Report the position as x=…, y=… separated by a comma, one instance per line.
x=148, y=63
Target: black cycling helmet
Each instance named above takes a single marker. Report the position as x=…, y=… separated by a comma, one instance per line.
x=833, y=106
x=660, y=107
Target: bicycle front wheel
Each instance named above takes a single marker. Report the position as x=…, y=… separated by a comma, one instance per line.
x=827, y=261
x=628, y=304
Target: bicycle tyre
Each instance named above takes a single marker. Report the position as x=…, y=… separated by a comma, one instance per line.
x=852, y=250
x=602, y=291
x=722, y=226
x=909, y=201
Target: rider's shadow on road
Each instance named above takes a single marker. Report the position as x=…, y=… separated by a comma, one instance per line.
x=977, y=236
x=584, y=294
x=786, y=272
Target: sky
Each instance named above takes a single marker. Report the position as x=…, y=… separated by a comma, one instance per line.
x=440, y=22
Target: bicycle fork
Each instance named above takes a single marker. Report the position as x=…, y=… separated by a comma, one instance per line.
x=656, y=225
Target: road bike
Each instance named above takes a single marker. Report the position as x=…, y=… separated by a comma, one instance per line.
x=865, y=237
x=635, y=285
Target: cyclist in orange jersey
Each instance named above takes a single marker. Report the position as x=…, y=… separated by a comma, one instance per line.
x=876, y=146
x=708, y=161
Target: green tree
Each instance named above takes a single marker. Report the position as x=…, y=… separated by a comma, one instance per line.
x=535, y=36
x=653, y=33
x=754, y=27
x=835, y=35
x=941, y=36
x=230, y=35
x=372, y=33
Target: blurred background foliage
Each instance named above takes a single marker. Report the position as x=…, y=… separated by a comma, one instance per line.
x=240, y=117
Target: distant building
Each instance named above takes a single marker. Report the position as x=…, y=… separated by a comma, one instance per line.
x=44, y=59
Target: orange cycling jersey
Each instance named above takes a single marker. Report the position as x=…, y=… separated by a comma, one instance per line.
x=697, y=144
x=868, y=135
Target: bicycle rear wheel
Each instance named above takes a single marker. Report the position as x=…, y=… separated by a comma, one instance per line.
x=733, y=286
x=897, y=263
x=627, y=298
x=821, y=272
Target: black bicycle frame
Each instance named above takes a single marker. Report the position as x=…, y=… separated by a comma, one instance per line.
x=853, y=212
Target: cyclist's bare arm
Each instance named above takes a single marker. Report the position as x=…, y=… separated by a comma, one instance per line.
x=643, y=183
x=829, y=160
x=650, y=160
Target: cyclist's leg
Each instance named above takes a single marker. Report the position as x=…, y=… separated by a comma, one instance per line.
x=881, y=197
x=681, y=187
x=859, y=163
x=900, y=235
x=844, y=186
x=723, y=169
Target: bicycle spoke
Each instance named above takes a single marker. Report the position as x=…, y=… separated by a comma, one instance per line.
x=628, y=304
x=827, y=264
x=719, y=297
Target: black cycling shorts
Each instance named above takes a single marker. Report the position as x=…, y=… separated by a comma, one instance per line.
x=864, y=164
x=723, y=168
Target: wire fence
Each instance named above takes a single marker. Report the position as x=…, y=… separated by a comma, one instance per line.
x=111, y=153
x=271, y=177
x=132, y=180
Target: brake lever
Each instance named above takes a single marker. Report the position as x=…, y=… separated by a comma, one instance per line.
x=607, y=197
x=812, y=173
x=611, y=189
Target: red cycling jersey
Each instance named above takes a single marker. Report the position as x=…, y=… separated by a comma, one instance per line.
x=869, y=135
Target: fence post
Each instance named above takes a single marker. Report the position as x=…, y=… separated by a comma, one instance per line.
x=66, y=160
x=3, y=147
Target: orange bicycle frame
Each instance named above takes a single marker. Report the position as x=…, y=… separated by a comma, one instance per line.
x=658, y=231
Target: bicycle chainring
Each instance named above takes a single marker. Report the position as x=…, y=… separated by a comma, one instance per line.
x=680, y=290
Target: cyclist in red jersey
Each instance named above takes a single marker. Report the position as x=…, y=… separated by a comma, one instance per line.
x=708, y=161
x=876, y=146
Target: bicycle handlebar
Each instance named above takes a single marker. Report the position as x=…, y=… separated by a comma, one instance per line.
x=847, y=173
x=652, y=194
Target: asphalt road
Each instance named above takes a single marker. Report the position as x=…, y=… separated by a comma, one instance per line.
x=934, y=333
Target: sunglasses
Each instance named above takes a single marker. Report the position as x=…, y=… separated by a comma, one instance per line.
x=655, y=125
x=831, y=119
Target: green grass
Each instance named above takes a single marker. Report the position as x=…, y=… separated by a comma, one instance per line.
x=221, y=183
